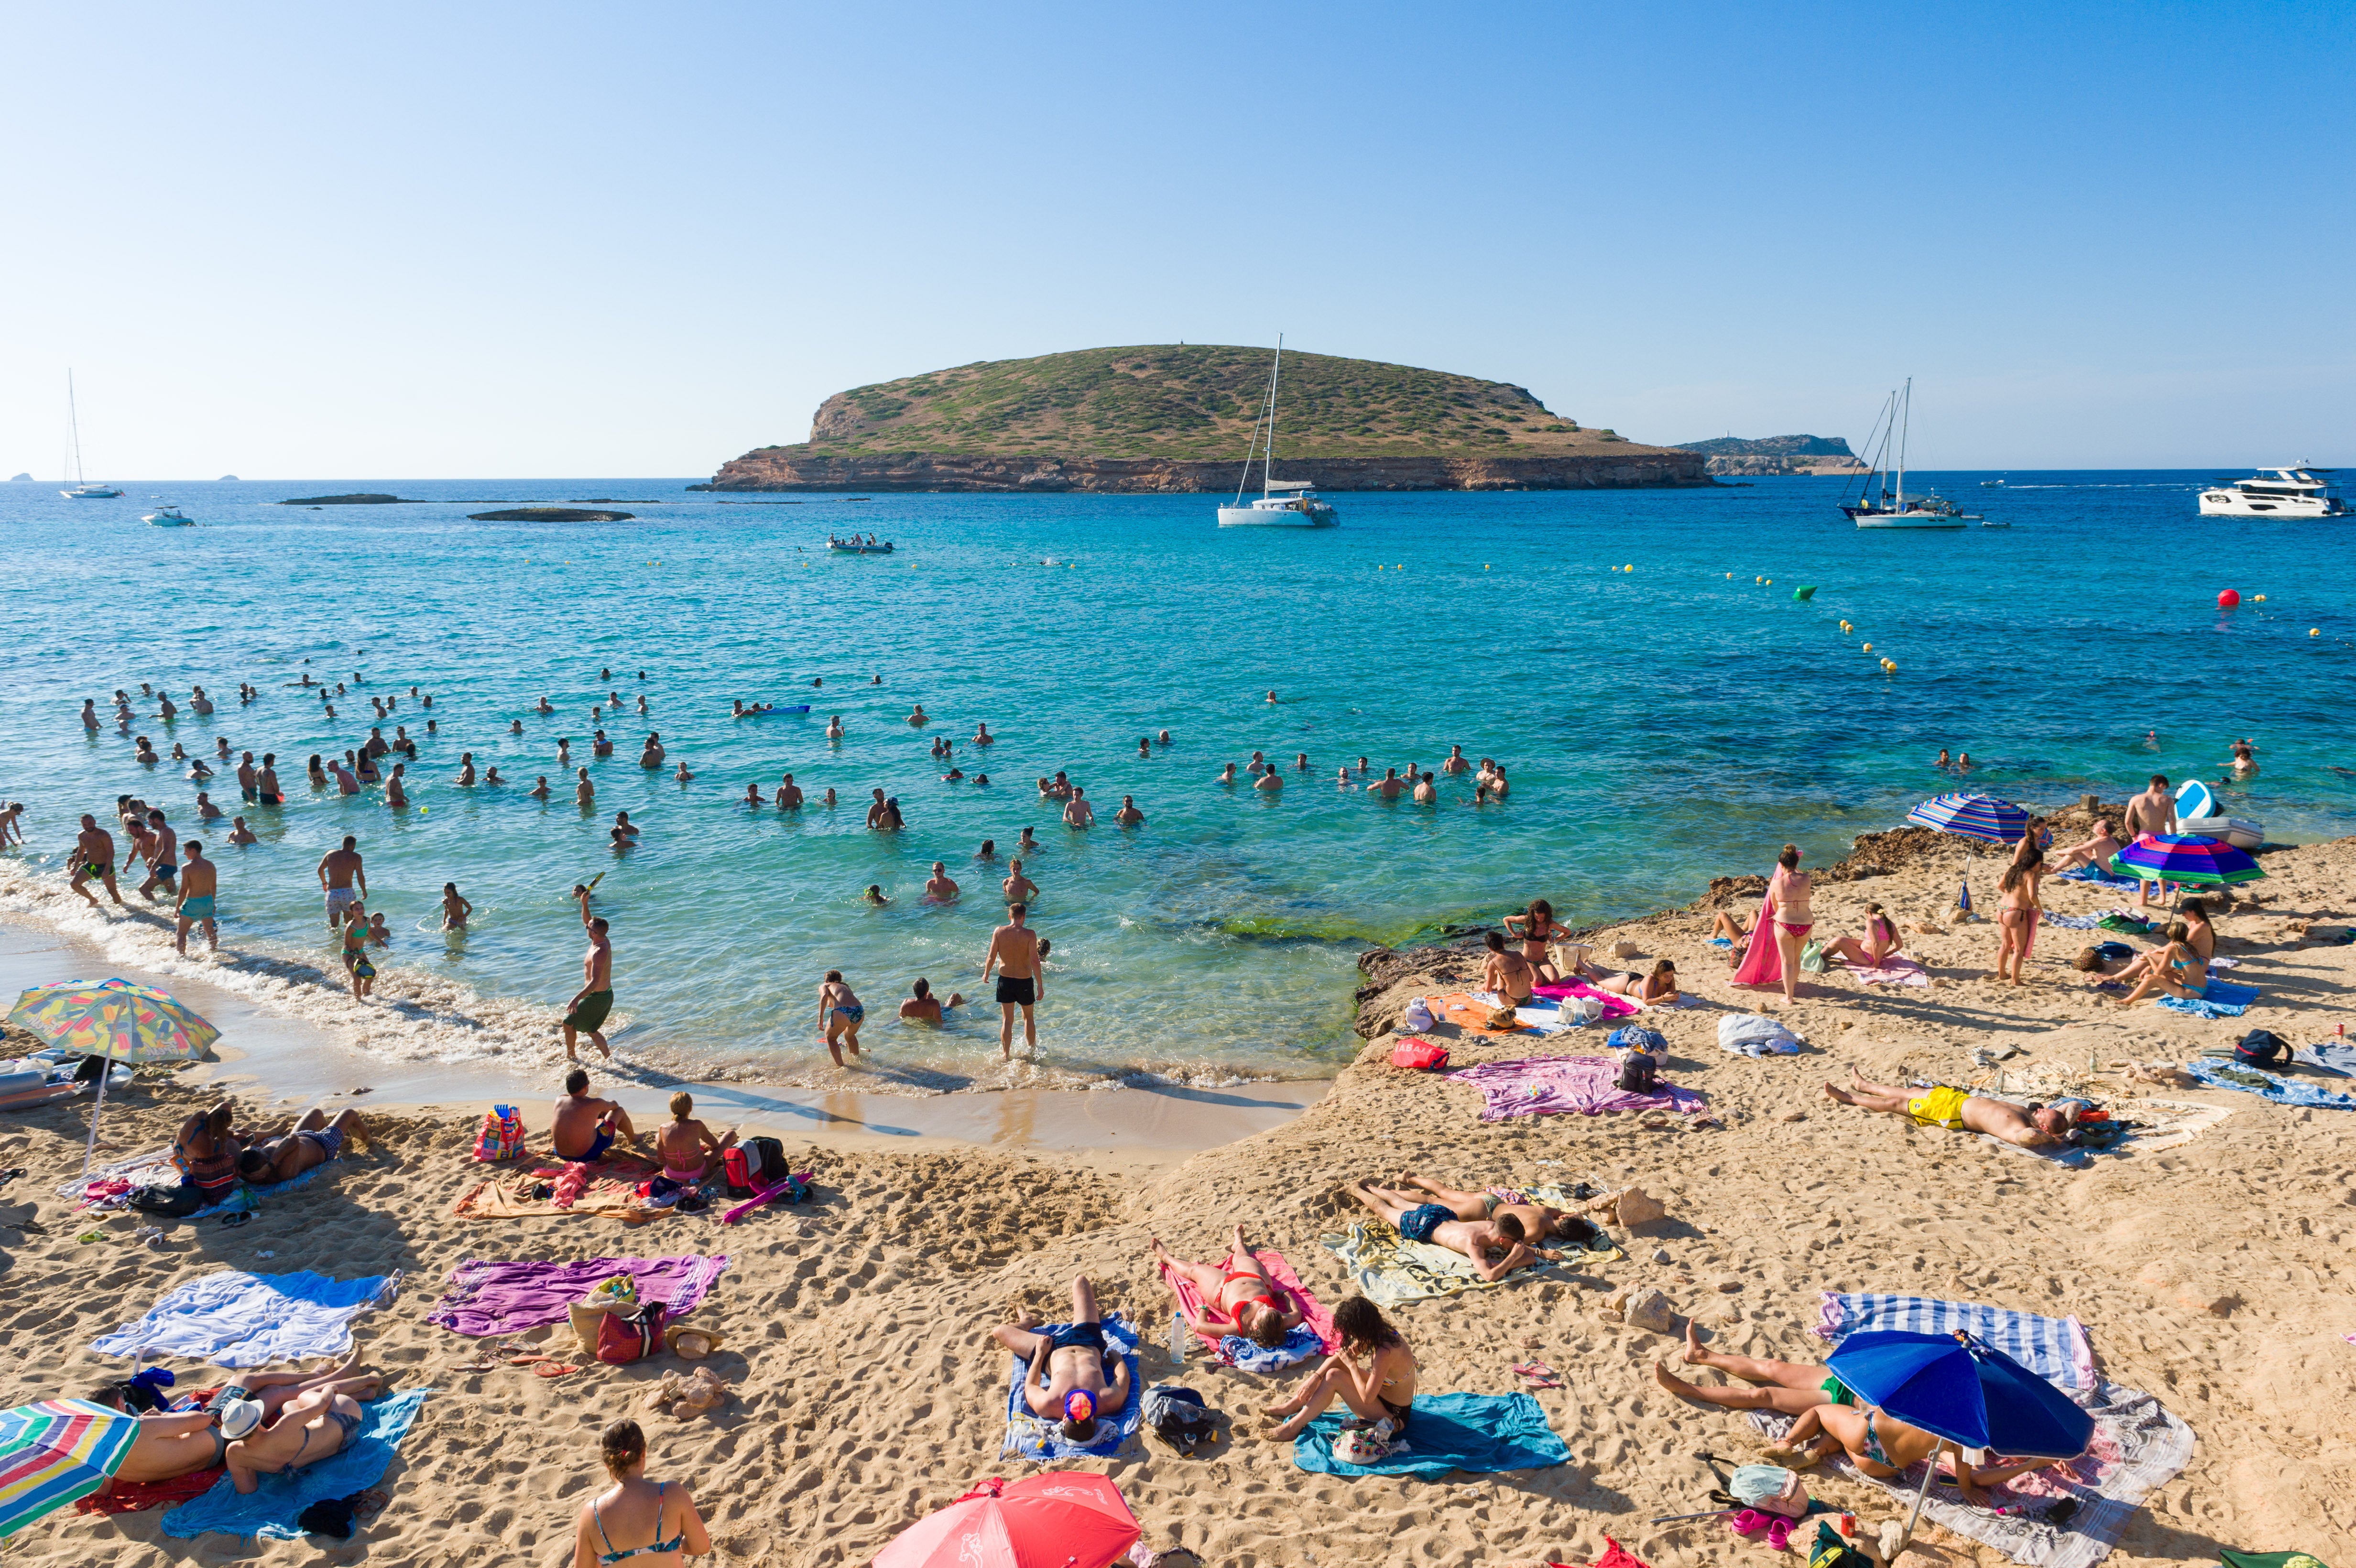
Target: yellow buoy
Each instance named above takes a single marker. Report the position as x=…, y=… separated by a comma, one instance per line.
x=2315, y=631
x=1868, y=649
x=1484, y=566
x=2262, y=598
x=1628, y=568
x=1770, y=582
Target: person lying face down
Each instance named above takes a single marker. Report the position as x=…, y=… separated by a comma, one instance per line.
x=1419, y=1220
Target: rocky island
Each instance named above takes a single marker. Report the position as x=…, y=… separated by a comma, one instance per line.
x=1776, y=454
x=1178, y=417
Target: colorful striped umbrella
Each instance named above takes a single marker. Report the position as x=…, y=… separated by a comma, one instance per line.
x=113, y=1019
x=1980, y=817
x=55, y=1453
x=2186, y=858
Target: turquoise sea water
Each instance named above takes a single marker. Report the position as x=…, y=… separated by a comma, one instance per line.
x=1659, y=727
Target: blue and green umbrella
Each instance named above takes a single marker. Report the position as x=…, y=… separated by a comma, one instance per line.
x=2186, y=858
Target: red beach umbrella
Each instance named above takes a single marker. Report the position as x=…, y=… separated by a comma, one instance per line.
x=1058, y=1518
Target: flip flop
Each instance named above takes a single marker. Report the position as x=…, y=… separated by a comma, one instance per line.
x=1538, y=1375
x=553, y=1370
x=1750, y=1522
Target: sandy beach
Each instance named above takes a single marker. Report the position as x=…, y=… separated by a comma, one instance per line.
x=867, y=1393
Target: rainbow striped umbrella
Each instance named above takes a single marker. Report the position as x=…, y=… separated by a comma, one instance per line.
x=2186, y=858
x=1980, y=817
x=112, y=1019
x=58, y=1452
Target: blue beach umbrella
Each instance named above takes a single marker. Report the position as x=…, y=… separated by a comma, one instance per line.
x=1958, y=1387
x=1980, y=817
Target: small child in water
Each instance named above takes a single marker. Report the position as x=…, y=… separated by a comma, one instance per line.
x=874, y=895
x=455, y=909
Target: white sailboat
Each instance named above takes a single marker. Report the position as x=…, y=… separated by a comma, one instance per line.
x=1283, y=502
x=1890, y=508
x=84, y=490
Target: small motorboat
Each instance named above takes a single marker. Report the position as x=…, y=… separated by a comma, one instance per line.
x=169, y=517
x=2199, y=811
x=854, y=545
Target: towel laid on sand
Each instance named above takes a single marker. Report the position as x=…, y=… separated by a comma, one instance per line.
x=2267, y=1086
x=2221, y=999
x=2072, y=921
x=489, y=1297
x=1315, y=1335
x=2332, y=1056
x=1031, y=1438
x=2055, y=1348
x=2098, y=876
x=1756, y=1034
x=1896, y=970
x=1553, y=1085
x=1446, y=1432
x=138, y=1497
x=2163, y=1124
x=1469, y=1013
x=271, y=1509
x=1391, y=1271
x=1615, y=1005
x=238, y=1319
x=612, y=1192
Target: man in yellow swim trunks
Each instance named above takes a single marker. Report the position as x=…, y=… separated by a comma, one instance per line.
x=2030, y=1127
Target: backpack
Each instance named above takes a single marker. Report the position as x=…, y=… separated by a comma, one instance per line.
x=1418, y=1055
x=1829, y=1550
x=1636, y=1073
x=624, y=1336
x=2260, y=1048
x=753, y=1166
x=1179, y=1417
x=1771, y=1488
x=502, y=1136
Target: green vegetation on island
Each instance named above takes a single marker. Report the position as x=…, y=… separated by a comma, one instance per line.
x=1770, y=446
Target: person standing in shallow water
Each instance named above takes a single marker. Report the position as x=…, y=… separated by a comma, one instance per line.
x=585, y=1014
x=1014, y=952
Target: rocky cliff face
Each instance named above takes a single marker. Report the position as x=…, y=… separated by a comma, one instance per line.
x=809, y=468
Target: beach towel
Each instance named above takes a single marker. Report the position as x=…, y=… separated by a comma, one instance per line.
x=612, y=1192
x=1553, y=1085
x=237, y=1319
x=1615, y=1005
x=1596, y=1247
x=2332, y=1056
x=488, y=1297
x=1315, y=1336
x=2266, y=1086
x=1469, y=1013
x=1391, y=1271
x=2072, y=921
x=2098, y=875
x=2056, y=1348
x=1897, y=969
x=2137, y=1446
x=271, y=1509
x=1761, y=964
x=136, y=1497
x=2163, y=1124
x=1446, y=1432
x=1756, y=1034
x=1030, y=1437
x=2221, y=999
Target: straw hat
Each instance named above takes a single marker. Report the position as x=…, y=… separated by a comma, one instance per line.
x=691, y=1342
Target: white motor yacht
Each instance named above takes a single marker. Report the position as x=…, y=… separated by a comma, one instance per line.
x=169, y=517
x=1892, y=508
x=2275, y=493
x=1283, y=502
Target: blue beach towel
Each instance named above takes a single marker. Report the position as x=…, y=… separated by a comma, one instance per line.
x=237, y=1319
x=270, y=1510
x=247, y=1200
x=2266, y=1086
x=2072, y=921
x=2223, y=999
x=1250, y=1355
x=2055, y=1348
x=2096, y=874
x=1446, y=1432
x=1031, y=1438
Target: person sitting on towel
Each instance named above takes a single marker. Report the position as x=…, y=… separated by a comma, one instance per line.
x=1536, y=1219
x=1830, y=1415
x=1238, y=1295
x=314, y=1425
x=2178, y=969
x=2095, y=851
x=1508, y=973
x=1879, y=943
x=1072, y=1375
x=1436, y=1223
x=1374, y=1374
x=206, y=1153
x=2030, y=1127
x=585, y=1125
x=314, y=1141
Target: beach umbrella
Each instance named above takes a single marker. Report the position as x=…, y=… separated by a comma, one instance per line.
x=1980, y=817
x=1958, y=1387
x=2186, y=858
x=1058, y=1518
x=116, y=1019
x=55, y=1453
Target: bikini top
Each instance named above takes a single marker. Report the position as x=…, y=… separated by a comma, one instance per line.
x=673, y=1544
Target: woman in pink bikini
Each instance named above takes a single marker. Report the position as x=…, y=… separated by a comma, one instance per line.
x=1238, y=1296
x=1784, y=922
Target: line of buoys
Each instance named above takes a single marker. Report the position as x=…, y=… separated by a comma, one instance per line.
x=2262, y=598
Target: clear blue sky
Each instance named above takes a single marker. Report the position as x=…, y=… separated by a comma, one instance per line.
x=481, y=241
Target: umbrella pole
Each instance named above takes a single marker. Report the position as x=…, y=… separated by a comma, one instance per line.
x=90, y=1150
x=1929, y=1474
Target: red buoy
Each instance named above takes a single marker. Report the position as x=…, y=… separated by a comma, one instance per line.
x=2228, y=599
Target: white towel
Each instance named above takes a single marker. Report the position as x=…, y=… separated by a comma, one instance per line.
x=237, y=1319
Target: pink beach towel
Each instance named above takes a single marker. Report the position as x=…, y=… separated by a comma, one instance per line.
x=489, y=1297
x=1615, y=1006
x=1896, y=970
x=1761, y=965
x=1551, y=1085
x=1313, y=1313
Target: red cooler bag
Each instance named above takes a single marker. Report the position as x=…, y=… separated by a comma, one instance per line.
x=1421, y=1055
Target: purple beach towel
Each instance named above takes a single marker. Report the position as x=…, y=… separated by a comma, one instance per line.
x=1552, y=1086
x=488, y=1297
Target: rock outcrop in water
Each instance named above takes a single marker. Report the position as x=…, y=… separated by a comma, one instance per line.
x=358, y=498
x=809, y=469
x=549, y=514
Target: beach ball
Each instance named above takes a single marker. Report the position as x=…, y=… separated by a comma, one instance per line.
x=2228, y=599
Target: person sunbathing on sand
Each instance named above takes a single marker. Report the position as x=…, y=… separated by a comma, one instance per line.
x=314, y=1425
x=311, y=1142
x=1238, y=1295
x=1534, y=1219
x=1660, y=986
x=1830, y=1415
x=583, y=1126
x=2176, y=969
x=1072, y=1375
x=1373, y=1373
x=1436, y=1223
x=2031, y=1127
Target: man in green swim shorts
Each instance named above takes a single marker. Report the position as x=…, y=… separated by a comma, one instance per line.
x=586, y=1013
x=199, y=881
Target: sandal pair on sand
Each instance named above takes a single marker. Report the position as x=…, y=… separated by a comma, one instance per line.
x=1537, y=1375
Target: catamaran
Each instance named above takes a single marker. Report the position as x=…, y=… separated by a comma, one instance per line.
x=1890, y=508
x=84, y=490
x=2275, y=493
x=1283, y=502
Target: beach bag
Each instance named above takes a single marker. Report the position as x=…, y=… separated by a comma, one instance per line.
x=501, y=1137
x=736, y=1169
x=1812, y=957
x=1363, y=1441
x=619, y=1294
x=174, y=1202
x=2260, y=1048
x=1418, y=1055
x=1179, y=1417
x=1770, y=1488
x=627, y=1336
x=1638, y=1074
x=1418, y=1015
x=1829, y=1550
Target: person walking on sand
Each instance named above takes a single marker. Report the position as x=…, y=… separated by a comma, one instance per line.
x=339, y=871
x=840, y=1014
x=1015, y=951
x=94, y=862
x=2016, y=917
x=1773, y=955
x=199, y=882
x=586, y=1013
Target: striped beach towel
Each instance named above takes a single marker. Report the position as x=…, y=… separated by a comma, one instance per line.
x=2055, y=1348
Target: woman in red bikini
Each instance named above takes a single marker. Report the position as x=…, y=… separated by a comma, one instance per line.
x=1238, y=1296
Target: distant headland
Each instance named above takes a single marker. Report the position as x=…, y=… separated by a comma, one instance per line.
x=1178, y=417
x=1776, y=454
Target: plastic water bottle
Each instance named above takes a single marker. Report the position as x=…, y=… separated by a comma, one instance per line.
x=1178, y=1337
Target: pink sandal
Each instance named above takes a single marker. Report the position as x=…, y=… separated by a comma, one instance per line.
x=1750, y=1522
x=1779, y=1534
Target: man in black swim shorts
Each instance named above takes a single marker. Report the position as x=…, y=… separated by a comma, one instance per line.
x=1014, y=952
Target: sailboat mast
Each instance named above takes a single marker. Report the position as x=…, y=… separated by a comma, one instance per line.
x=73, y=418
x=1267, y=452
x=1907, y=426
